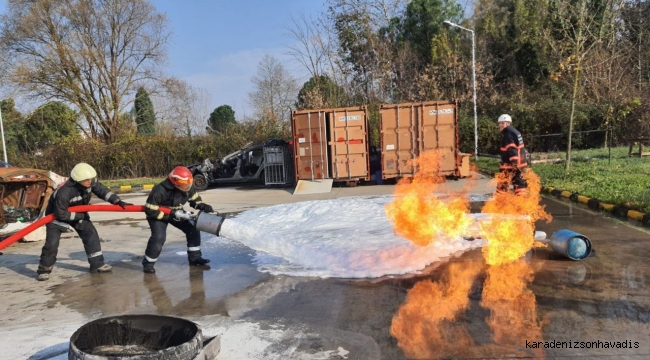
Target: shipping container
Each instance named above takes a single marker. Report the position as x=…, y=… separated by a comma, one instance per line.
x=331, y=144
x=407, y=130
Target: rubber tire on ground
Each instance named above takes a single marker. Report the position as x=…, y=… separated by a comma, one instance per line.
x=140, y=327
x=200, y=182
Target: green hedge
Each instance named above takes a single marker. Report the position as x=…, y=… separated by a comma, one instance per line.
x=150, y=156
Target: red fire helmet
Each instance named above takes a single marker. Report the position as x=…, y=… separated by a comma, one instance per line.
x=182, y=178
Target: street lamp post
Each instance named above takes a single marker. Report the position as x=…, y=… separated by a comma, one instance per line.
x=473, y=84
x=2, y=131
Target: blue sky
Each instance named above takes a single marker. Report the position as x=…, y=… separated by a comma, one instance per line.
x=216, y=45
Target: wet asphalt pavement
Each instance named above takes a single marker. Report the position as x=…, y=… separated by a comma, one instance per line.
x=544, y=306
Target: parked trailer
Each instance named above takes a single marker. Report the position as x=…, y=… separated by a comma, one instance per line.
x=331, y=144
x=409, y=129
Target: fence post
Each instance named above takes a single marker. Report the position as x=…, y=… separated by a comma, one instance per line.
x=609, y=161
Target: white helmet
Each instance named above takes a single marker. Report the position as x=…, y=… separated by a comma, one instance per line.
x=505, y=118
x=82, y=171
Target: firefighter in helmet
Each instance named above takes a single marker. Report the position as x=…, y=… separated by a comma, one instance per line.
x=513, y=156
x=173, y=193
x=75, y=191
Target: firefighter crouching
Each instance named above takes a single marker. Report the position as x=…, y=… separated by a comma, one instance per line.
x=173, y=192
x=75, y=191
x=513, y=157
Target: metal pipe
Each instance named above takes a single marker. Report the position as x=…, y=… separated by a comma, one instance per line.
x=323, y=163
x=347, y=144
x=398, y=147
x=209, y=223
x=326, y=170
x=311, y=147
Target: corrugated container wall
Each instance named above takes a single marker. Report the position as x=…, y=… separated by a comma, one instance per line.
x=408, y=130
x=331, y=144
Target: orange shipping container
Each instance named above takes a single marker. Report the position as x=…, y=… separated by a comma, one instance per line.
x=331, y=144
x=409, y=129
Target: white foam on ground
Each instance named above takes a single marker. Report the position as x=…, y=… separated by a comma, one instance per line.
x=261, y=341
x=345, y=238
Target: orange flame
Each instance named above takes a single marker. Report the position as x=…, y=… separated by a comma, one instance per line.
x=424, y=324
x=417, y=214
x=513, y=309
x=510, y=239
x=429, y=323
x=432, y=321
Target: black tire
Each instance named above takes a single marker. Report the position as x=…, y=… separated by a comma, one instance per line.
x=200, y=182
x=157, y=337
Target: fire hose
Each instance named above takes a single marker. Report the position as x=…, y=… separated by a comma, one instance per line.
x=203, y=221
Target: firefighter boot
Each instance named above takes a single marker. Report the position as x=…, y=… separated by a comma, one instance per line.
x=147, y=267
x=195, y=259
x=102, y=269
x=44, y=272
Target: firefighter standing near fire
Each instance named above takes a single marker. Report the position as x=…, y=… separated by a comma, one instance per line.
x=173, y=192
x=75, y=191
x=513, y=156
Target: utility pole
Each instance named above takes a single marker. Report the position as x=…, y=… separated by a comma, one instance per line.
x=473, y=83
x=2, y=130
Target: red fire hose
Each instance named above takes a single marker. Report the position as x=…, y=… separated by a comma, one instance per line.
x=81, y=208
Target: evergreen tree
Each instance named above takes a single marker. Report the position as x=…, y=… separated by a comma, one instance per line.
x=221, y=117
x=145, y=117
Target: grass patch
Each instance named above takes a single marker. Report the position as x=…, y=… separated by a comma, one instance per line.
x=624, y=181
x=132, y=182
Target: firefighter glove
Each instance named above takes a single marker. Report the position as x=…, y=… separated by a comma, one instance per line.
x=179, y=215
x=204, y=207
x=123, y=204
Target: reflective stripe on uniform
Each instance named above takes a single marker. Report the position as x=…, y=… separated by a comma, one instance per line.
x=72, y=216
x=179, y=207
x=150, y=259
x=196, y=195
x=151, y=206
x=194, y=248
x=108, y=195
x=95, y=254
x=60, y=223
x=199, y=202
x=160, y=215
x=76, y=198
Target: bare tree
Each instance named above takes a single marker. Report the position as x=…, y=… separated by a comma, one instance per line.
x=89, y=53
x=577, y=29
x=275, y=90
x=181, y=108
x=308, y=49
x=380, y=12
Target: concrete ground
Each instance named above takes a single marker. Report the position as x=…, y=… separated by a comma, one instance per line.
x=464, y=313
